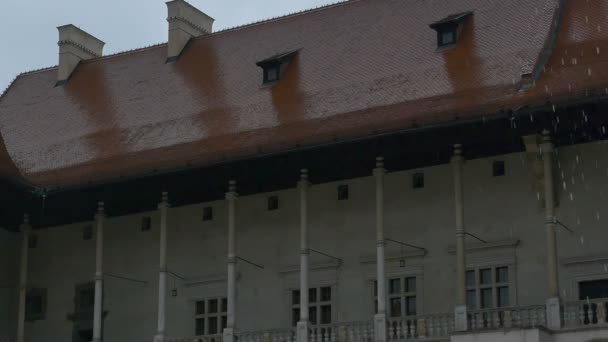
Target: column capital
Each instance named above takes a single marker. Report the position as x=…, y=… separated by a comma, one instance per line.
x=303, y=178
x=379, y=170
x=164, y=200
x=231, y=194
x=457, y=157
x=546, y=142
x=25, y=227
x=100, y=214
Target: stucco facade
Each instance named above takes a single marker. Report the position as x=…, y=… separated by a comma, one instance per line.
x=505, y=211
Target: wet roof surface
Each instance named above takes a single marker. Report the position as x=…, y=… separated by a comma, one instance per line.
x=363, y=67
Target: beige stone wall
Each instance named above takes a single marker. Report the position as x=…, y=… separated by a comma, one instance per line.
x=496, y=209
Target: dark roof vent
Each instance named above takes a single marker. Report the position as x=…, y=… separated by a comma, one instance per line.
x=449, y=28
x=274, y=66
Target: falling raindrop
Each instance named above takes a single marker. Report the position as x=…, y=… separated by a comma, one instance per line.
x=538, y=195
x=605, y=267
x=582, y=240
x=554, y=109
x=597, y=215
x=589, y=71
x=577, y=159
x=603, y=129
x=578, y=221
x=571, y=197
x=597, y=50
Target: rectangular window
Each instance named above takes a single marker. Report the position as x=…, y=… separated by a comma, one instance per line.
x=207, y=213
x=448, y=37
x=35, y=304
x=273, y=203
x=319, y=309
x=401, y=296
x=210, y=316
x=498, y=168
x=146, y=223
x=488, y=287
x=418, y=180
x=343, y=193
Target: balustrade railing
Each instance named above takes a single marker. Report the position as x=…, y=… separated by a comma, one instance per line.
x=343, y=332
x=507, y=318
x=279, y=335
x=420, y=327
x=593, y=312
x=206, y=338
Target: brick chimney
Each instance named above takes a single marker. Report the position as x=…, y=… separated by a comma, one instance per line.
x=185, y=22
x=75, y=45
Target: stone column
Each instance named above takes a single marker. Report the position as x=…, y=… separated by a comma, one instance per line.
x=303, y=324
x=460, y=312
x=25, y=233
x=98, y=305
x=163, y=207
x=229, y=331
x=380, y=317
x=553, y=303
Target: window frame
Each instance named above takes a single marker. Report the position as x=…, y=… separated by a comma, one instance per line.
x=318, y=304
x=493, y=285
x=221, y=315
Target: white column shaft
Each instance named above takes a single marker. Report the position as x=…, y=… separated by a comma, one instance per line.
x=231, y=314
x=98, y=303
x=457, y=162
x=22, y=285
x=380, y=242
x=550, y=219
x=162, y=274
x=304, y=252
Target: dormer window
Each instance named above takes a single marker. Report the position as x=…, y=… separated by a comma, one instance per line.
x=273, y=67
x=449, y=29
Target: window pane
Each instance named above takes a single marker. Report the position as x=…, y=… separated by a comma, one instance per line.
x=447, y=37
x=312, y=314
x=326, y=314
x=471, y=279
x=295, y=297
x=312, y=295
x=410, y=284
x=272, y=74
x=325, y=294
x=212, y=306
x=485, y=276
x=375, y=288
x=502, y=296
x=295, y=316
x=502, y=274
x=224, y=322
x=224, y=305
x=200, y=307
x=395, y=304
x=471, y=299
x=486, y=298
x=395, y=286
x=213, y=325
x=410, y=306
x=200, y=327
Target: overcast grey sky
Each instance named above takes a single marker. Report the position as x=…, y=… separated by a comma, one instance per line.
x=28, y=34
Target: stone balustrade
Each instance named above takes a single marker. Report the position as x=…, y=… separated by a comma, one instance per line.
x=343, y=332
x=507, y=318
x=420, y=327
x=585, y=313
x=206, y=338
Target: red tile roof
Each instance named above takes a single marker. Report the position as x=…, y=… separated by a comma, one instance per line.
x=363, y=67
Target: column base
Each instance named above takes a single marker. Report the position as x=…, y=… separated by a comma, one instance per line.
x=228, y=335
x=159, y=338
x=380, y=328
x=460, y=318
x=553, y=313
x=302, y=331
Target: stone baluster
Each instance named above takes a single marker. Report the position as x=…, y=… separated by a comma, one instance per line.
x=601, y=312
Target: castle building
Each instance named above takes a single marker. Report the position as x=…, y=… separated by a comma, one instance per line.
x=367, y=171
